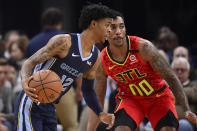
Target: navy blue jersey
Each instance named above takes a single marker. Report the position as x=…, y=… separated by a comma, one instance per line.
x=31, y=117
x=72, y=66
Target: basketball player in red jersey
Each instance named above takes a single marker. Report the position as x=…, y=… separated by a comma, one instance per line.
x=142, y=75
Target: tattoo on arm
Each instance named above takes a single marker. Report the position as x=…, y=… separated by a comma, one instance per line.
x=160, y=65
x=100, y=84
x=58, y=46
x=54, y=47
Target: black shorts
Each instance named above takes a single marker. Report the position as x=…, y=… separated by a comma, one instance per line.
x=123, y=119
x=168, y=120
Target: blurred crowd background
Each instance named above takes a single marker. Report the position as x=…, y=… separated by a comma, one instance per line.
x=143, y=18
x=26, y=26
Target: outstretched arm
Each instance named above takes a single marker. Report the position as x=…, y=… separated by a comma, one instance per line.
x=91, y=99
x=151, y=55
x=57, y=46
x=100, y=84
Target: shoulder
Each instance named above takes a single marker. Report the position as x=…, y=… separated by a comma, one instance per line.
x=95, y=55
x=134, y=38
x=147, y=50
x=98, y=56
x=58, y=45
x=62, y=39
x=103, y=54
x=95, y=50
x=144, y=44
x=103, y=51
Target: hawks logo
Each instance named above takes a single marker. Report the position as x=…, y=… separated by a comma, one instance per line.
x=133, y=59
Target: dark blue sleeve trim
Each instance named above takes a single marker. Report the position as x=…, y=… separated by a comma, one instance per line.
x=90, y=95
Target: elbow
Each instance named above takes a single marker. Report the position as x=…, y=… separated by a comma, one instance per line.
x=29, y=63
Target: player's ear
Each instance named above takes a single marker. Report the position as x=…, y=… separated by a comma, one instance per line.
x=93, y=24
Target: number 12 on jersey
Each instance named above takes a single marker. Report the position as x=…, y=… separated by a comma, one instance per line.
x=66, y=82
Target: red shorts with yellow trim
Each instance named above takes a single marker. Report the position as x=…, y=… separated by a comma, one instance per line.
x=153, y=107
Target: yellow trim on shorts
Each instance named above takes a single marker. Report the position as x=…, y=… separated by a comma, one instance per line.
x=30, y=116
x=19, y=111
x=52, y=63
x=126, y=57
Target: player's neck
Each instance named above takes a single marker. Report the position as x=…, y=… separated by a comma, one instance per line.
x=87, y=41
x=119, y=52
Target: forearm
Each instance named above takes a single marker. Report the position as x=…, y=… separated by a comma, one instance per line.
x=151, y=55
x=93, y=121
x=26, y=70
x=178, y=92
x=90, y=96
x=100, y=89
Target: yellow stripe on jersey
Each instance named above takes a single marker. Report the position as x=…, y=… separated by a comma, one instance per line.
x=52, y=63
x=19, y=111
x=30, y=116
x=126, y=57
x=119, y=102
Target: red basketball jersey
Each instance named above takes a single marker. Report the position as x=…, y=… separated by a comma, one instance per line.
x=134, y=76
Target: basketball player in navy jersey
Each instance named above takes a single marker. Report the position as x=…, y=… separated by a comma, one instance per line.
x=70, y=56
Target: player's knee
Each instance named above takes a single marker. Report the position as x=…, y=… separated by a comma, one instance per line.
x=123, y=128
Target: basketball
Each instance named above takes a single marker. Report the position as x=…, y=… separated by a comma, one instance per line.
x=48, y=85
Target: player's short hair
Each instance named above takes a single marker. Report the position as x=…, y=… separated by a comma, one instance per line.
x=117, y=13
x=94, y=12
x=51, y=16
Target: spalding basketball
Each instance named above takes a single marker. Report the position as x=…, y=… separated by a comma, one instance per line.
x=48, y=85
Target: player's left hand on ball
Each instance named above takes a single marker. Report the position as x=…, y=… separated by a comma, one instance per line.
x=191, y=117
x=29, y=91
x=107, y=119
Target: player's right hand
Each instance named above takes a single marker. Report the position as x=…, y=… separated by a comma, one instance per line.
x=29, y=91
x=107, y=119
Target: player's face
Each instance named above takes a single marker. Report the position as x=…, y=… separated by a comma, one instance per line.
x=102, y=29
x=117, y=32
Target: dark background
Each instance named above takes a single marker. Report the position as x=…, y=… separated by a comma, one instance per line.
x=143, y=17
